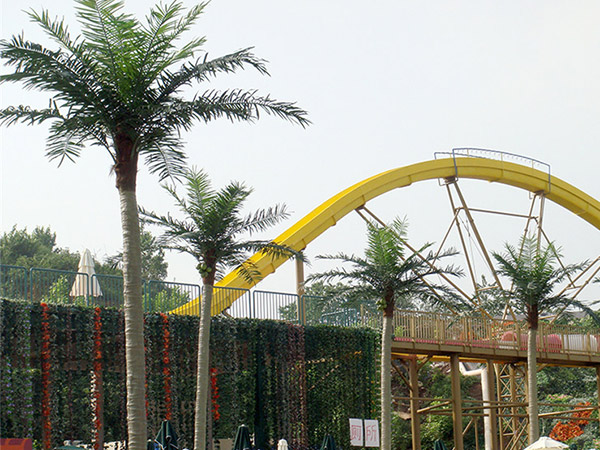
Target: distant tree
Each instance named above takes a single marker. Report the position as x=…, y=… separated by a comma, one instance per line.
x=324, y=299
x=388, y=273
x=36, y=249
x=154, y=266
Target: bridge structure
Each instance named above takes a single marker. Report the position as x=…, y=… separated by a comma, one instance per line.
x=497, y=345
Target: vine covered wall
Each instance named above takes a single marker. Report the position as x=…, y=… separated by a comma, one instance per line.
x=62, y=376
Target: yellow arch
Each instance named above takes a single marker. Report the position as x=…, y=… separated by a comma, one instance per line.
x=299, y=235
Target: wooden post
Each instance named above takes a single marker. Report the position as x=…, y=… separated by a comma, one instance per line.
x=300, y=291
x=492, y=413
x=456, y=402
x=415, y=421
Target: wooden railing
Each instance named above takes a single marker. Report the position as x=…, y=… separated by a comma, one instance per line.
x=436, y=328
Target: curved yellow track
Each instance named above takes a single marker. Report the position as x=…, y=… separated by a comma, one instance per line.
x=299, y=235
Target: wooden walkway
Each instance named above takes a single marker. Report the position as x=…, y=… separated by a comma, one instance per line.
x=483, y=339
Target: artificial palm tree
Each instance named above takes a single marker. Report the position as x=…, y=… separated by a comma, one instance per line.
x=535, y=276
x=386, y=272
x=118, y=86
x=210, y=231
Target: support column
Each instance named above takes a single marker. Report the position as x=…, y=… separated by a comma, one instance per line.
x=514, y=399
x=491, y=420
x=300, y=291
x=415, y=421
x=456, y=402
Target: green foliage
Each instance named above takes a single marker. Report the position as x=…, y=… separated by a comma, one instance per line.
x=167, y=299
x=311, y=379
x=118, y=85
x=337, y=358
x=154, y=266
x=324, y=299
x=436, y=427
x=535, y=273
x=58, y=293
x=387, y=273
x=401, y=434
x=35, y=249
x=580, y=381
x=212, y=225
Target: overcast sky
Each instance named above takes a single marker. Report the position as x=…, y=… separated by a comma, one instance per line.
x=386, y=84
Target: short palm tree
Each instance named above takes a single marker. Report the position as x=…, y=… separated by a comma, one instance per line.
x=386, y=272
x=119, y=86
x=535, y=276
x=210, y=231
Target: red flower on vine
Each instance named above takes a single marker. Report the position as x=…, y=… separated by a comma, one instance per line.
x=167, y=367
x=97, y=377
x=46, y=423
x=215, y=393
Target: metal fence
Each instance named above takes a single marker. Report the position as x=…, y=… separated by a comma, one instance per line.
x=66, y=287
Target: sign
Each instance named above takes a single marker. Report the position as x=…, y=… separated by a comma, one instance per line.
x=371, y=433
x=15, y=444
x=356, y=433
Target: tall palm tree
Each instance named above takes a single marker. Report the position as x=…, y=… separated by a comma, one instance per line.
x=386, y=272
x=210, y=231
x=535, y=276
x=118, y=86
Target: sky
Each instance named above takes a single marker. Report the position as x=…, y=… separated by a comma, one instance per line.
x=386, y=84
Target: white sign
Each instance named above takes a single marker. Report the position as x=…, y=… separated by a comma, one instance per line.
x=356, y=433
x=371, y=433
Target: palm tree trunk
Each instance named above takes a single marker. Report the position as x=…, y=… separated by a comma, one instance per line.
x=202, y=371
x=386, y=381
x=534, y=423
x=134, y=320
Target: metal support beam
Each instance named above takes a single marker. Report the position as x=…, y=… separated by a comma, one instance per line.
x=300, y=291
x=456, y=402
x=462, y=240
x=415, y=421
x=486, y=256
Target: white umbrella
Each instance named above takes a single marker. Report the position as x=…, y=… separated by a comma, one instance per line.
x=80, y=286
x=546, y=443
x=282, y=445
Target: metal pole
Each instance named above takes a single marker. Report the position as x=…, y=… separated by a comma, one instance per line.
x=484, y=251
x=456, y=402
x=300, y=291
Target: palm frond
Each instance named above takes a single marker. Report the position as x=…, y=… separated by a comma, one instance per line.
x=165, y=157
x=69, y=134
x=262, y=219
x=203, y=70
x=164, y=27
x=61, y=145
x=109, y=35
x=534, y=276
x=233, y=105
x=40, y=68
x=27, y=115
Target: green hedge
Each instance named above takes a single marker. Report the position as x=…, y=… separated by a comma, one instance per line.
x=282, y=380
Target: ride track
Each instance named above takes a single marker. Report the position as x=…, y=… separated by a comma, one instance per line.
x=326, y=215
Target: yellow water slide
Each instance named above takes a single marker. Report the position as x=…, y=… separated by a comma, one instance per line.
x=302, y=233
